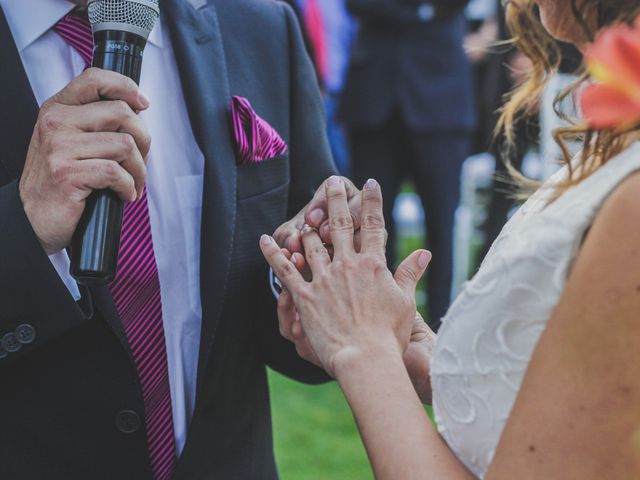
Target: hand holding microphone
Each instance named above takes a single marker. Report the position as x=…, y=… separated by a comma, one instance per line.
x=83, y=143
x=81, y=203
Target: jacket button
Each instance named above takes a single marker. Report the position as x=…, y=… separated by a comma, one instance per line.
x=3, y=352
x=10, y=343
x=26, y=334
x=128, y=421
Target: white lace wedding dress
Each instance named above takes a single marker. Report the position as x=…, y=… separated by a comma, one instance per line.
x=489, y=334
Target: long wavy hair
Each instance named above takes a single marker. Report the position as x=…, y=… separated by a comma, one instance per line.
x=530, y=36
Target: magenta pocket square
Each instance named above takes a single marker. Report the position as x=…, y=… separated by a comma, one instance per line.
x=256, y=140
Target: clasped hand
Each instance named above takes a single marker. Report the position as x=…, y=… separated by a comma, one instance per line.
x=353, y=307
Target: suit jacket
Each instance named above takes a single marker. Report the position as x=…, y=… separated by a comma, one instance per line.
x=68, y=397
x=405, y=64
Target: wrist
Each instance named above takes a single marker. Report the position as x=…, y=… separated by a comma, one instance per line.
x=359, y=360
x=31, y=212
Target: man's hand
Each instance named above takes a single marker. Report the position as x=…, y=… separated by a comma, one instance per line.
x=417, y=358
x=87, y=137
x=315, y=215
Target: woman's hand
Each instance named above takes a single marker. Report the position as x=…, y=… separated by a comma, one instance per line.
x=353, y=308
x=417, y=356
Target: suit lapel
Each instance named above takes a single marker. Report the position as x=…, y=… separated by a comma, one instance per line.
x=18, y=106
x=197, y=42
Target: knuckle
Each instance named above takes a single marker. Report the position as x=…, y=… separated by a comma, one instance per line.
x=90, y=73
x=111, y=171
x=297, y=334
x=286, y=269
x=50, y=120
x=122, y=108
x=91, y=77
x=129, y=85
x=338, y=264
x=60, y=171
x=142, y=175
x=409, y=274
x=335, y=193
x=56, y=143
x=317, y=251
x=345, y=265
x=48, y=104
x=340, y=222
x=374, y=262
x=145, y=140
x=372, y=221
x=128, y=144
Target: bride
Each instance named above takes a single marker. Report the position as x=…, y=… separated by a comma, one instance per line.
x=535, y=371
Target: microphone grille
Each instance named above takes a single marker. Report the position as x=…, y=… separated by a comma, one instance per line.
x=134, y=16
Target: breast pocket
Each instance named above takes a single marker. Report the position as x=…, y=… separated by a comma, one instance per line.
x=262, y=177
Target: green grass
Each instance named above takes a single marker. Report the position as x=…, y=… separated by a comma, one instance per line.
x=315, y=434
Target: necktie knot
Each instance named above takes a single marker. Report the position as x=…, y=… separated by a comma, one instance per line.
x=75, y=29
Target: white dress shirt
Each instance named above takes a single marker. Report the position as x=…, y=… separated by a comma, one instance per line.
x=174, y=180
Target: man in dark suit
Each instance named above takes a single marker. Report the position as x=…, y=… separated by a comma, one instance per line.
x=409, y=108
x=75, y=400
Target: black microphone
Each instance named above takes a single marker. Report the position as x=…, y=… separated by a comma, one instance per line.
x=120, y=31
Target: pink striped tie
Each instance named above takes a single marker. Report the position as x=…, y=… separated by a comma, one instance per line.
x=136, y=293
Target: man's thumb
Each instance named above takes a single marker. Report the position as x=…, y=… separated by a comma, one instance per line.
x=411, y=270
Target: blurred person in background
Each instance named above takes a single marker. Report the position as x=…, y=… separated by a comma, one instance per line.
x=408, y=104
x=339, y=28
x=505, y=69
x=487, y=62
x=498, y=68
x=330, y=30
x=296, y=7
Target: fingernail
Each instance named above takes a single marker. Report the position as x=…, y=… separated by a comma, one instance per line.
x=316, y=216
x=266, y=240
x=371, y=184
x=325, y=230
x=424, y=258
x=143, y=100
x=334, y=181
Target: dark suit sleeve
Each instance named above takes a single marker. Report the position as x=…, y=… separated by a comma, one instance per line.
x=33, y=298
x=311, y=163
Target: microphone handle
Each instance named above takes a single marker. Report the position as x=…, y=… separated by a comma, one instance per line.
x=96, y=241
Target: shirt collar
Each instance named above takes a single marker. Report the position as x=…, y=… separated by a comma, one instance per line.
x=30, y=19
